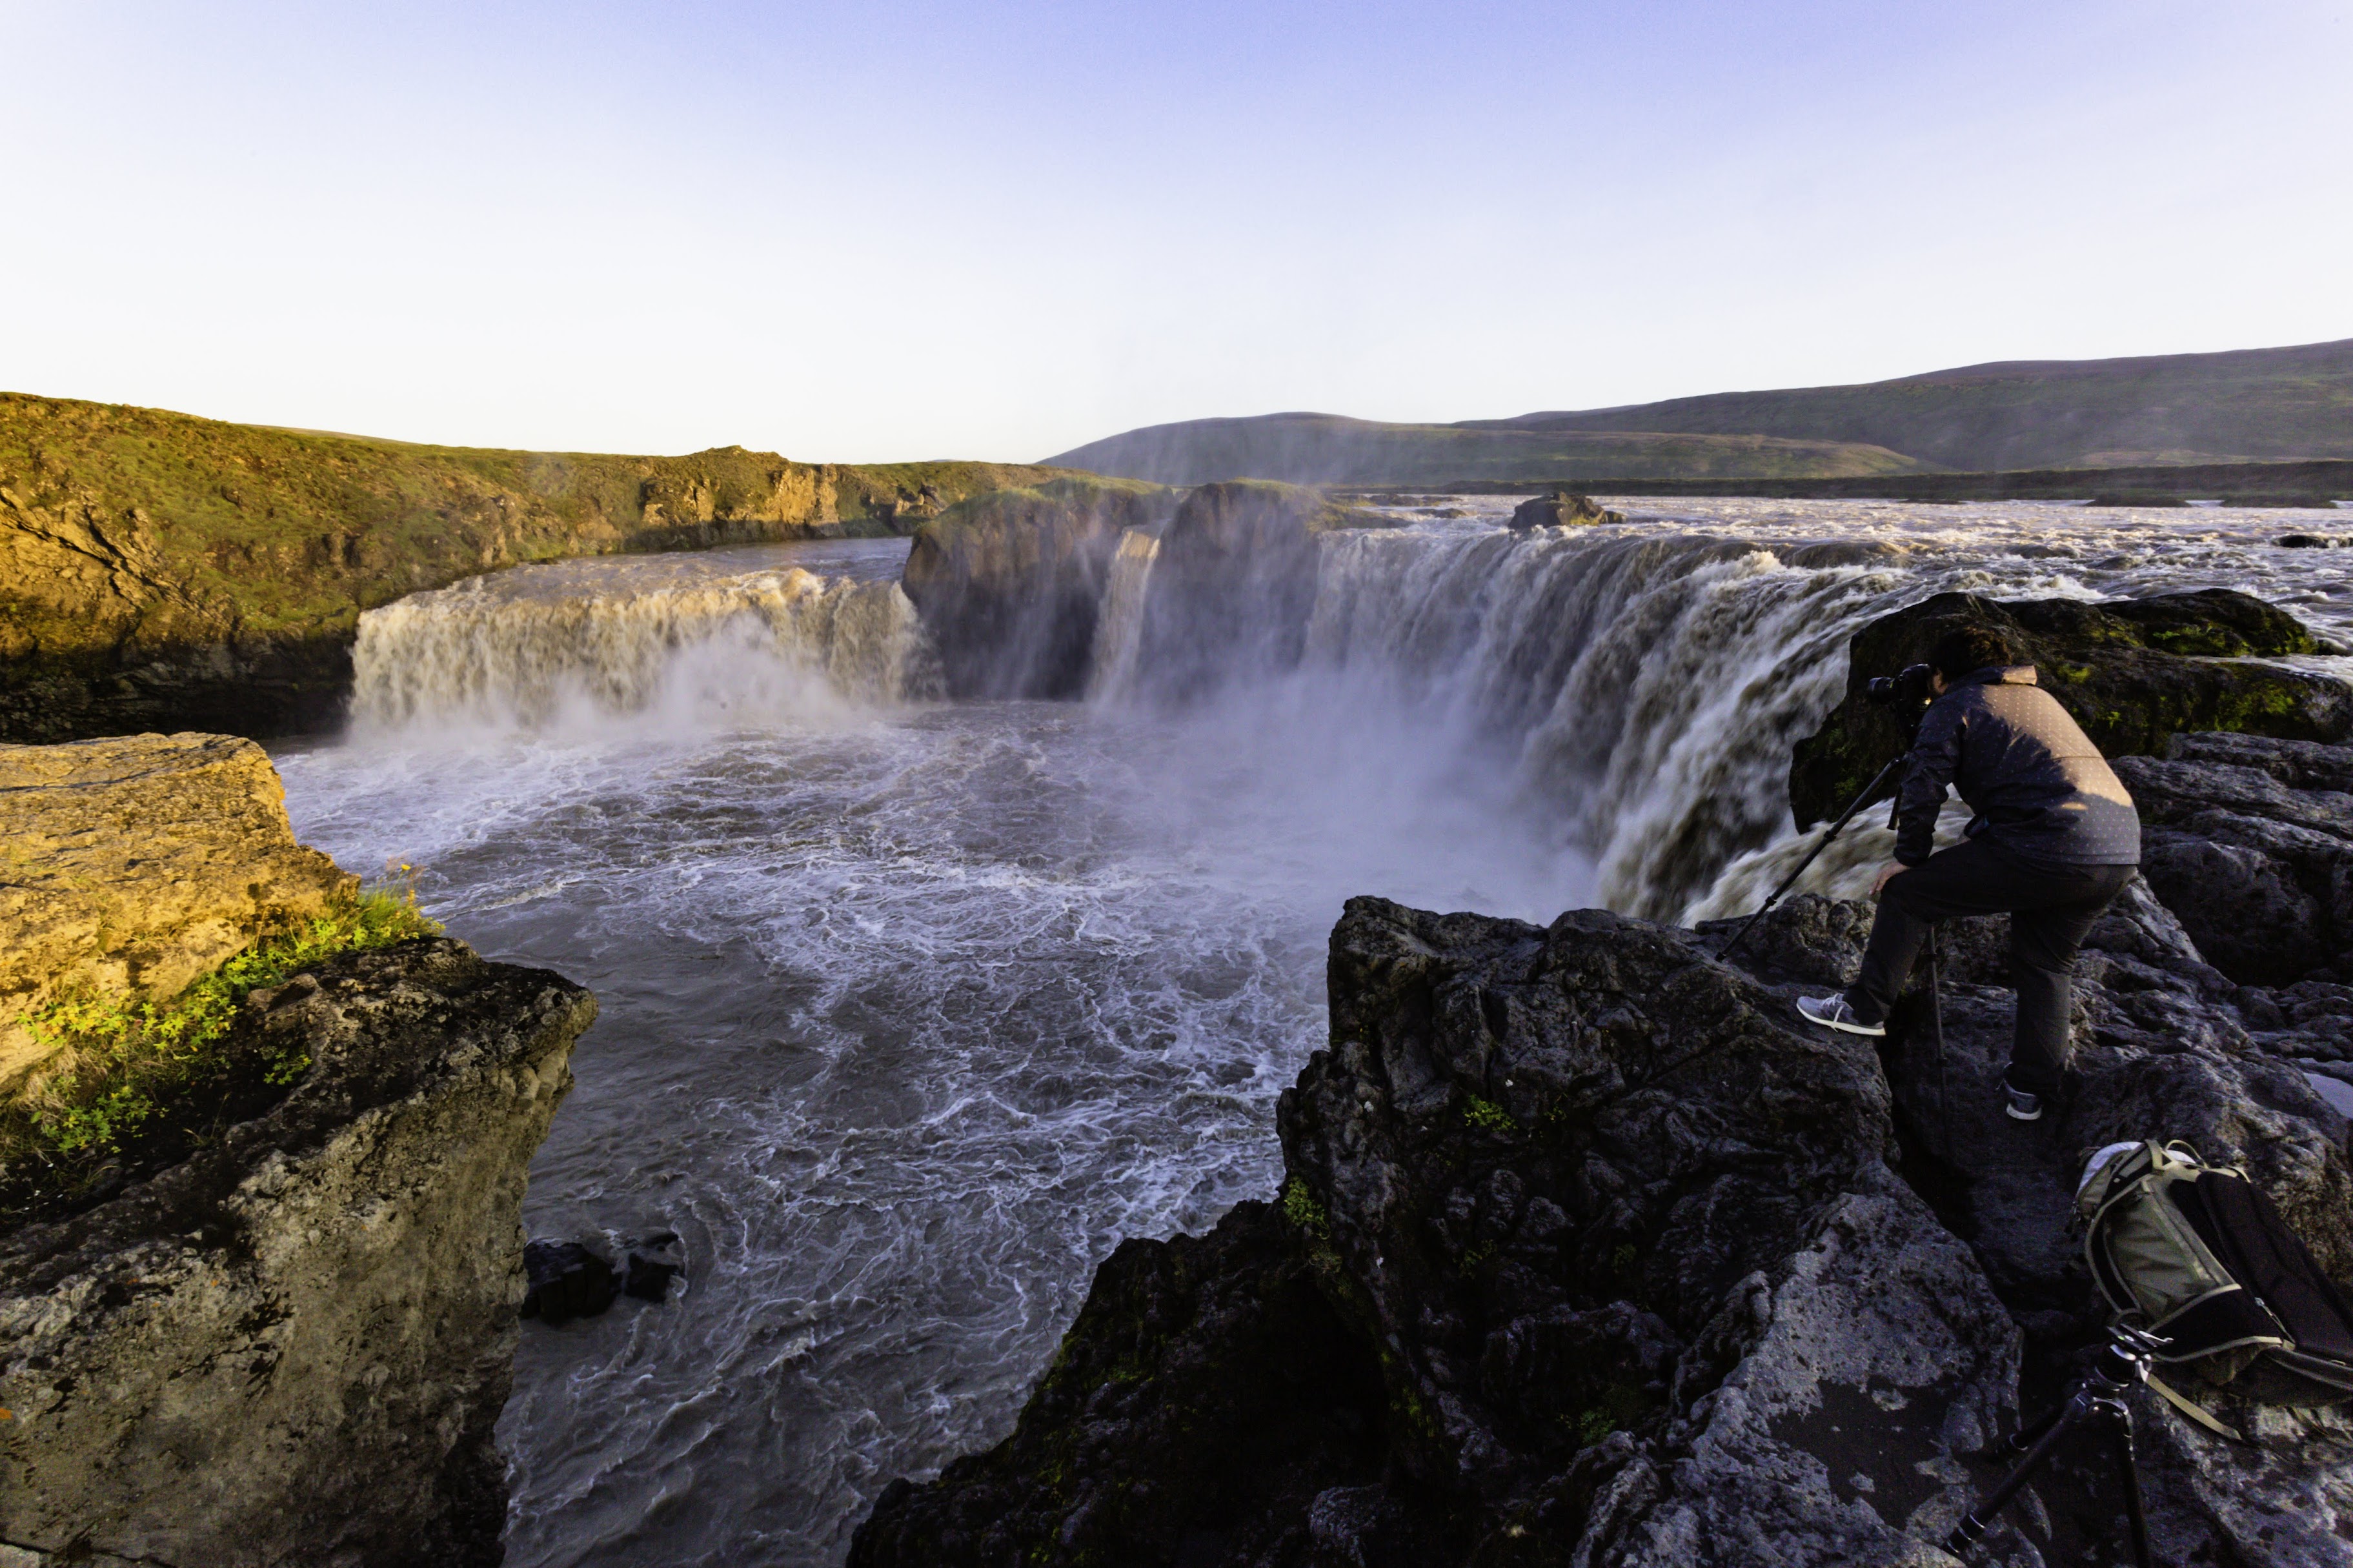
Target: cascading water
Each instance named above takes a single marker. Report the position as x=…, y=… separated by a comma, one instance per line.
x=912, y=1009
x=1119, y=626
x=589, y=641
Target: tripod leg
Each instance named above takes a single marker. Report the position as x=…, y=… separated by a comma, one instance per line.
x=2025, y=1438
x=1979, y=1519
x=2120, y=1431
x=1937, y=1032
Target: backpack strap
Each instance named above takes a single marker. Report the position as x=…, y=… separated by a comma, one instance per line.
x=2199, y=1414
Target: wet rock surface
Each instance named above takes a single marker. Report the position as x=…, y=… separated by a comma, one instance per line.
x=1644, y=1270
x=1617, y=1242
x=1010, y=582
x=2133, y=672
x=2251, y=839
x=293, y=1346
x=1235, y=582
x=1560, y=510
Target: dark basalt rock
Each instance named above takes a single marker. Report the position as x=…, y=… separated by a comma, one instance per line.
x=565, y=1280
x=1615, y=1242
x=2134, y=673
x=1601, y=1257
x=1234, y=582
x=2160, y=1052
x=651, y=1266
x=1008, y=581
x=2251, y=841
x=1204, y=1402
x=1560, y=510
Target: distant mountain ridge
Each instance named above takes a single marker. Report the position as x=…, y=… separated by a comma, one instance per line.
x=2246, y=405
x=1328, y=448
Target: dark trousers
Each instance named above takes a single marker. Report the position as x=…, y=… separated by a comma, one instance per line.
x=2049, y=910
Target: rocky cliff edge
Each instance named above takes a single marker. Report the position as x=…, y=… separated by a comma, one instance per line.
x=290, y=1345
x=1589, y=1252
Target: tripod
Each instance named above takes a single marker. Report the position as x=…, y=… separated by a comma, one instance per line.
x=2098, y=1396
x=1789, y=881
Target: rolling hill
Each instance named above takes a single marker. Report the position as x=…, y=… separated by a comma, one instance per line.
x=2250, y=404
x=1324, y=448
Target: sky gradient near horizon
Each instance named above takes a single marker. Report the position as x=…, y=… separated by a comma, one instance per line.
x=994, y=229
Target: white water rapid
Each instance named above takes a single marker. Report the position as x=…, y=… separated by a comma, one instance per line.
x=912, y=1009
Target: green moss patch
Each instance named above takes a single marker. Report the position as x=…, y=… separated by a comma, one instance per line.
x=144, y=1083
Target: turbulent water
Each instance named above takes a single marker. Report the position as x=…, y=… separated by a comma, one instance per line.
x=911, y=1010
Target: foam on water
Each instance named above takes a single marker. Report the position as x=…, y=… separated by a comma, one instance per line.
x=911, y=1010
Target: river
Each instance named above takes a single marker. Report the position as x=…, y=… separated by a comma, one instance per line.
x=911, y=1010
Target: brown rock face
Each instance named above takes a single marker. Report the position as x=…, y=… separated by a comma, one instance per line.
x=159, y=572
x=136, y=865
x=294, y=1347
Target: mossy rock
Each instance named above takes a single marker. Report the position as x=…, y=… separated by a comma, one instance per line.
x=2133, y=673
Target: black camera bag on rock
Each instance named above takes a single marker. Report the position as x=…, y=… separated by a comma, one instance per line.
x=2197, y=1255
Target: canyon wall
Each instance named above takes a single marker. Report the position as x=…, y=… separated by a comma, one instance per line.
x=160, y=572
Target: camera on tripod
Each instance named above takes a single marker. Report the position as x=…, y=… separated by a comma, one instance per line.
x=1908, y=687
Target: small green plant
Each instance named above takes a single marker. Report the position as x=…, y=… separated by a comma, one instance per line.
x=1300, y=1207
x=1623, y=1259
x=1594, y=1425
x=130, y=1064
x=1487, y=1116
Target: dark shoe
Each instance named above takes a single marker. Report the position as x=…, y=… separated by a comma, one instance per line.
x=1833, y=1012
x=2022, y=1105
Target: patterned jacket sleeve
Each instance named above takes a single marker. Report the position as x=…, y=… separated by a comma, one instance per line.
x=1936, y=757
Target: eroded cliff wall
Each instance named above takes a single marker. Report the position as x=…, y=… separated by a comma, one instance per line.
x=273, y=1323
x=162, y=572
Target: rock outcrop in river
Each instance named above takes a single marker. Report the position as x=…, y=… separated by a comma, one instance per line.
x=1235, y=583
x=1008, y=582
x=163, y=571
x=1011, y=585
x=290, y=1345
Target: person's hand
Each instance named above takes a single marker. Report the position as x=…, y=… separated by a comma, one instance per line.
x=1886, y=873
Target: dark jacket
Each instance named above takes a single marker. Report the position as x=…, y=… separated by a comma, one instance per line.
x=2040, y=788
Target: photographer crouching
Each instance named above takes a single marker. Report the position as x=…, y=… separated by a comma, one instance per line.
x=2054, y=840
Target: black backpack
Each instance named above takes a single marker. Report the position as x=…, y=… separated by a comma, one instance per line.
x=2197, y=1255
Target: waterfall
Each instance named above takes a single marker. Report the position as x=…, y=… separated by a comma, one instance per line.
x=1647, y=687
x=1119, y=624
x=537, y=646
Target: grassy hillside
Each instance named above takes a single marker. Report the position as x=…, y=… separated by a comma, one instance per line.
x=1323, y=448
x=2256, y=404
x=158, y=570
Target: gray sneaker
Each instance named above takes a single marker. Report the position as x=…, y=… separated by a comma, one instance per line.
x=1833, y=1012
x=2022, y=1105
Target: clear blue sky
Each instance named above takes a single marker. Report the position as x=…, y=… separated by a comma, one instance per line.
x=866, y=231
